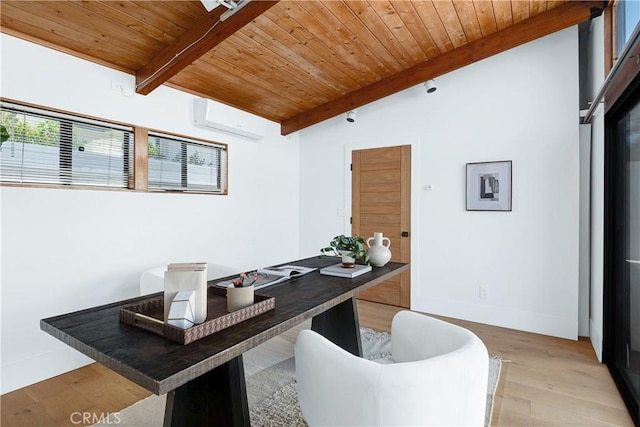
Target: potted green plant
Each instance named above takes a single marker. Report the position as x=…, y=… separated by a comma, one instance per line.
x=349, y=248
x=4, y=134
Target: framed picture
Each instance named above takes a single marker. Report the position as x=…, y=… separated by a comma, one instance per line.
x=489, y=186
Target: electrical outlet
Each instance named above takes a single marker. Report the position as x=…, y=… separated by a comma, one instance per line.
x=482, y=294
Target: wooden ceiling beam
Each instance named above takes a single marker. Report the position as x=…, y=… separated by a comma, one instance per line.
x=566, y=15
x=198, y=40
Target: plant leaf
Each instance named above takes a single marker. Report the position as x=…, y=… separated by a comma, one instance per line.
x=4, y=134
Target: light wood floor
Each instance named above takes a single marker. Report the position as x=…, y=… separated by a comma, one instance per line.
x=544, y=381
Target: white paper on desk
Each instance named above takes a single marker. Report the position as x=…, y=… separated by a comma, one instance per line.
x=186, y=280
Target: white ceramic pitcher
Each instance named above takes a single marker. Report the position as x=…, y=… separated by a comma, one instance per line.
x=379, y=253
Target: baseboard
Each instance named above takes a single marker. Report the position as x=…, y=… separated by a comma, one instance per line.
x=30, y=371
x=539, y=323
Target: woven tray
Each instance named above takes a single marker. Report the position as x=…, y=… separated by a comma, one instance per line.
x=149, y=315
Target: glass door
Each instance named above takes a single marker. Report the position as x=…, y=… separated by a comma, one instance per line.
x=623, y=240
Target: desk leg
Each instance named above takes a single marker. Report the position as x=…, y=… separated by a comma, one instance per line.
x=218, y=397
x=340, y=325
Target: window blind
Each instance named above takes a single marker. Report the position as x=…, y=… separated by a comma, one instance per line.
x=181, y=164
x=54, y=148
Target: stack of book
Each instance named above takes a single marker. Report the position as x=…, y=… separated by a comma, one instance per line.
x=349, y=272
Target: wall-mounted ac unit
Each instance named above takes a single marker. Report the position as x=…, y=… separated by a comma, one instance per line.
x=212, y=115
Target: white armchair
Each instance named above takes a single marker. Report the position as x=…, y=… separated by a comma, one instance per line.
x=437, y=376
x=152, y=280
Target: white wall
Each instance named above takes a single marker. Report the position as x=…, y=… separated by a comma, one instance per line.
x=596, y=78
x=584, y=263
x=521, y=105
x=64, y=250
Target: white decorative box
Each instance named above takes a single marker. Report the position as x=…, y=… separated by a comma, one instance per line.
x=181, y=310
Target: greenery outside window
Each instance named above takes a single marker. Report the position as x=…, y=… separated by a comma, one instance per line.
x=48, y=147
x=180, y=164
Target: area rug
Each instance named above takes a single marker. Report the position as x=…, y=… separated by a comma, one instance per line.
x=271, y=391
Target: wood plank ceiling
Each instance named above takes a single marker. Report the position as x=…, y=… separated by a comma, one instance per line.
x=294, y=62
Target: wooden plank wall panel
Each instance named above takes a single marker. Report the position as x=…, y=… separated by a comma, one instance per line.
x=569, y=13
x=122, y=34
x=486, y=17
x=555, y=3
x=434, y=25
x=411, y=20
x=170, y=17
x=451, y=23
x=328, y=81
x=128, y=44
x=204, y=35
x=72, y=39
x=328, y=37
x=379, y=30
x=227, y=94
x=375, y=48
x=349, y=43
x=280, y=26
x=502, y=12
x=109, y=12
x=537, y=6
x=469, y=20
x=192, y=9
x=520, y=10
x=269, y=73
x=300, y=67
x=399, y=30
x=297, y=63
x=142, y=14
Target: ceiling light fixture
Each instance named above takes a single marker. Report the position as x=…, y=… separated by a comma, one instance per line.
x=430, y=86
x=351, y=116
x=232, y=5
x=212, y=4
x=229, y=4
x=239, y=5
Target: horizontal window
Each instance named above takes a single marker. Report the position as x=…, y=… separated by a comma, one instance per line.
x=627, y=15
x=46, y=147
x=180, y=164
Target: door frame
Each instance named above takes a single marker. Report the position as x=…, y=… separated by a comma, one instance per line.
x=612, y=244
x=414, y=143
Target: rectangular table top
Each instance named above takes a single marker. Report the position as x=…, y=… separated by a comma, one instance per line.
x=161, y=365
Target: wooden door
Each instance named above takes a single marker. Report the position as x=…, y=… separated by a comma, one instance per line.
x=381, y=201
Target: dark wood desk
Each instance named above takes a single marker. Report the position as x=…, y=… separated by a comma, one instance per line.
x=205, y=379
